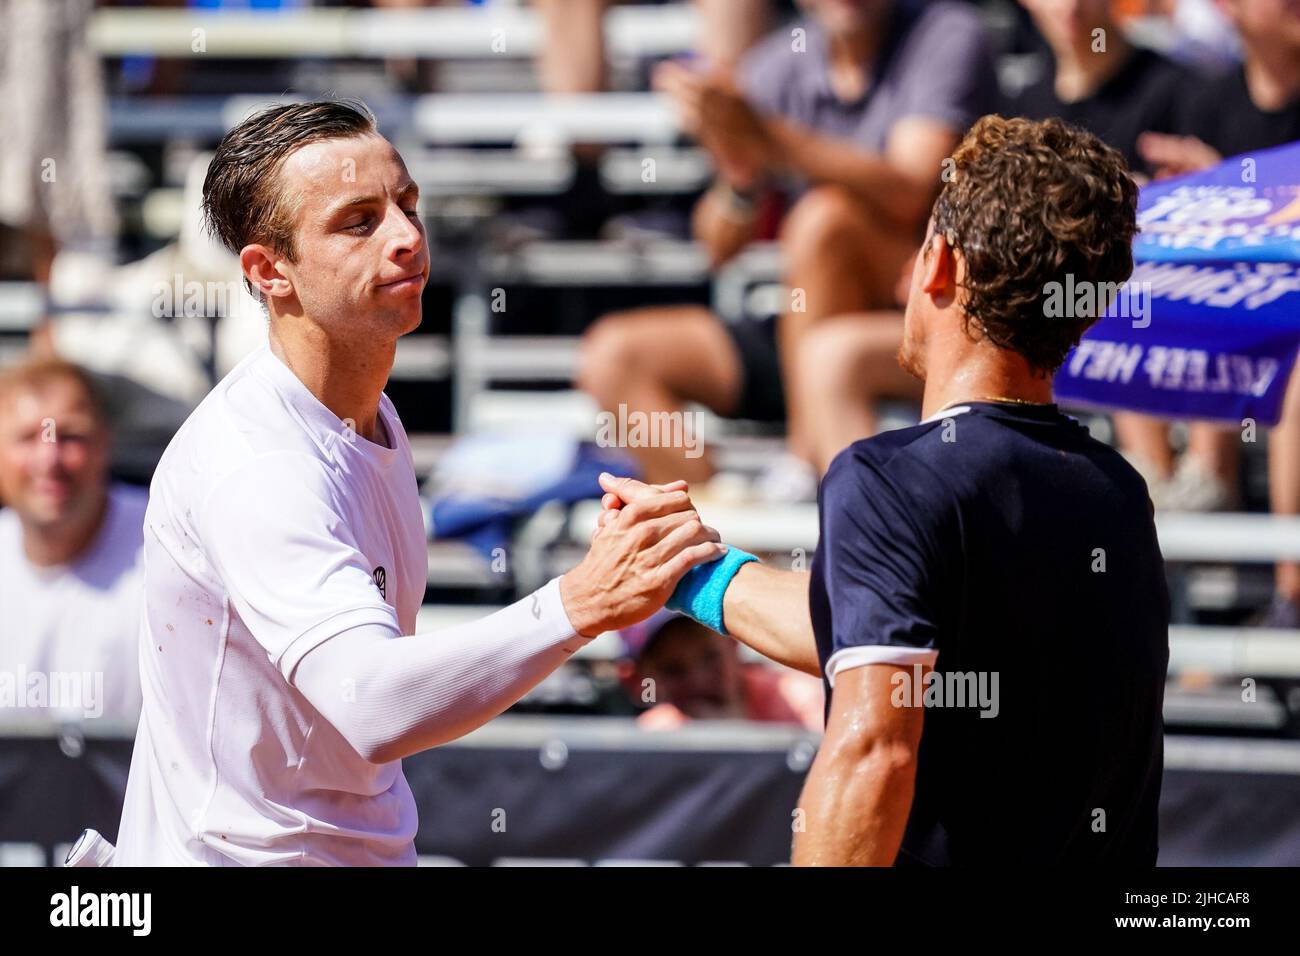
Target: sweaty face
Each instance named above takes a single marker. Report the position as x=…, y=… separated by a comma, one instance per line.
x=362, y=261
x=53, y=454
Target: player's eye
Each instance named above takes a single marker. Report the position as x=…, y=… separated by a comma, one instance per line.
x=358, y=227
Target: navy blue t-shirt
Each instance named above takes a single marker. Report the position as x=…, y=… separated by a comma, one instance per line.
x=1006, y=546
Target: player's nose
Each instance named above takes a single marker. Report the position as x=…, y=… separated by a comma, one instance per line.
x=406, y=237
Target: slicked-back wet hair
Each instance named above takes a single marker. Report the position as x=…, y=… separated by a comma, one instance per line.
x=243, y=199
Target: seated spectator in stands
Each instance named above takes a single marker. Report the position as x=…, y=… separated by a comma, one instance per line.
x=852, y=111
x=1253, y=107
x=70, y=551
x=685, y=671
x=1098, y=79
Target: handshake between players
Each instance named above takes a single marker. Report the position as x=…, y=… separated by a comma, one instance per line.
x=638, y=555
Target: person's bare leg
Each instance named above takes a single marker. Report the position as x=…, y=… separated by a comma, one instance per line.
x=841, y=257
x=729, y=27
x=43, y=248
x=1284, y=480
x=657, y=360
x=1217, y=449
x=572, y=56
x=1147, y=438
x=846, y=365
x=411, y=72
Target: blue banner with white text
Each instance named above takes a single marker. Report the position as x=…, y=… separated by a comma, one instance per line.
x=1208, y=326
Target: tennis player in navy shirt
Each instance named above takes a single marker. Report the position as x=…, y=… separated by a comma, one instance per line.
x=987, y=604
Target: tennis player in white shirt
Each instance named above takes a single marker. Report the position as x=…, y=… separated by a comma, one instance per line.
x=285, y=555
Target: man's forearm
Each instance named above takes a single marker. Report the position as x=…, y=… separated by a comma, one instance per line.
x=767, y=610
x=854, y=807
x=871, y=177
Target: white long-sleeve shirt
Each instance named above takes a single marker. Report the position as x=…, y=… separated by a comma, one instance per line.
x=273, y=531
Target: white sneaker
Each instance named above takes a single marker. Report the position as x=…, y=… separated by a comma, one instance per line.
x=1192, y=487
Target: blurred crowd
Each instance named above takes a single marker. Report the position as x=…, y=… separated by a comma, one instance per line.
x=827, y=122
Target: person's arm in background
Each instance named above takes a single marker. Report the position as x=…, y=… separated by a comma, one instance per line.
x=858, y=794
x=744, y=123
x=724, y=217
x=900, y=183
x=1175, y=141
x=712, y=110
x=1171, y=155
x=723, y=221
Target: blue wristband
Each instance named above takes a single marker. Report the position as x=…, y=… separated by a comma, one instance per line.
x=699, y=592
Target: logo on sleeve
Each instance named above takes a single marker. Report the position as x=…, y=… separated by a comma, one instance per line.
x=381, y=581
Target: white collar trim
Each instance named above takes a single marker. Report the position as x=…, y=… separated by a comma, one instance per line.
x=946, y=413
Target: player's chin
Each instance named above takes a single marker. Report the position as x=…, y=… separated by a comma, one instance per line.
x=401, y=316
x=409, y=319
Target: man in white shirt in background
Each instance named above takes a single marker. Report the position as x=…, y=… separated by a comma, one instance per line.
x=285, y=549
x=70, y=552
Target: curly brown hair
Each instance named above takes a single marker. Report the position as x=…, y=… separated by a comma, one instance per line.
x=243, y=202
x=1030, y=203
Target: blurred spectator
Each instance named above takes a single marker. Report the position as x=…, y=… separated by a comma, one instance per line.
x=1099, y=80
x=852, y=111
x=688, y=672
x=70, y=545
x=54, y=187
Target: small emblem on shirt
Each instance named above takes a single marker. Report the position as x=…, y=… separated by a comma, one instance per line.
x=537, y=607
x=381, y=581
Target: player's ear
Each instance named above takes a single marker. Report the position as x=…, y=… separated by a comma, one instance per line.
x=259, y=264
x=939, y=267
